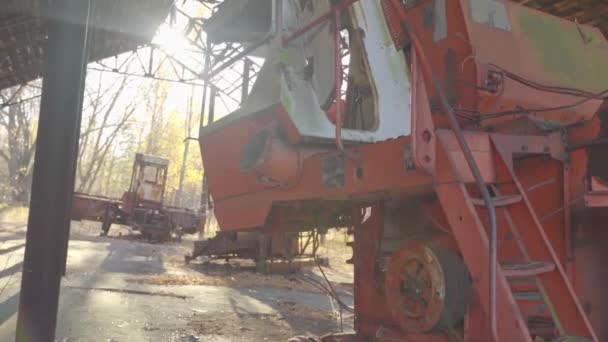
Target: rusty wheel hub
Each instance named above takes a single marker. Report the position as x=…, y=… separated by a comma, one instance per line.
x=415, y=288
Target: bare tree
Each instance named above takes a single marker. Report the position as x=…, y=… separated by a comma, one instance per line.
x=105, y=122
x=156, y=107
x=180, y=188
x=17, y=115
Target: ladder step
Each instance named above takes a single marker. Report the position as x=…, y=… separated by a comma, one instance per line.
x=527, y=269
x=499, y=201
x=532, y=296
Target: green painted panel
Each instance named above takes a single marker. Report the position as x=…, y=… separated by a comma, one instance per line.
x=562, y=50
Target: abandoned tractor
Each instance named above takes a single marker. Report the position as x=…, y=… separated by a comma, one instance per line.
x=463, y=143
x=140, y=208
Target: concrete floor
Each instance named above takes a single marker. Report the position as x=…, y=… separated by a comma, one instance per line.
x=92, y=310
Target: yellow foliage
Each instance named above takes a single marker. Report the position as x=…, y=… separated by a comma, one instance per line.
x=170, y=144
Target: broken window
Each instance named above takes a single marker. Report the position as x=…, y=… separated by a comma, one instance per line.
x=358, y=93
x=440, y=20
x=490, y=12
x=153, y=174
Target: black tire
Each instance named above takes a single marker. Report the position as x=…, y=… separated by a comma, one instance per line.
x=458, y=289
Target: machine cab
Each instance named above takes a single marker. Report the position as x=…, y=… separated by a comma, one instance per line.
x=147, y=182
x=302, y=74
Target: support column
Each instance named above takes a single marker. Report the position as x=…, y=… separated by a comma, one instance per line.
x=52, y=183
x=246, y=76
x=212, y=98
x=205, y=189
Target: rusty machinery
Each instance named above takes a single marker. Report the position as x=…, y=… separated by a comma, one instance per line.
x=466, y=154
x=272, y=252
x=141, y=207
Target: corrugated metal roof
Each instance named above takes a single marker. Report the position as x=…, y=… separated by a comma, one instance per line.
x=118, y=26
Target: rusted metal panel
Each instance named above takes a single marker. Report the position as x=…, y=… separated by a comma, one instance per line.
x=147, y=192
x=572, y=54
x=94, y=208
x=559, y=53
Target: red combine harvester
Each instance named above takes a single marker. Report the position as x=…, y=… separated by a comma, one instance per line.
x=142, y=206
x=465, y=152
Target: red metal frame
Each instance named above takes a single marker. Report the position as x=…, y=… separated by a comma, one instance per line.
x=338, y=77
x=334, y=13
x=468, y=155
x=319, y=20
x=452, y=173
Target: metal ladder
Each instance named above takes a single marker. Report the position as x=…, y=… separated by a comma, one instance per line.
x=539, y=260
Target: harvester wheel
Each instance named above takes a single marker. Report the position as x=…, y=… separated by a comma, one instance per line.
x=427, y=288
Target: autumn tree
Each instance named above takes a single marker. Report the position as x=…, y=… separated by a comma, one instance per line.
x=155, y=109
x=167, y=138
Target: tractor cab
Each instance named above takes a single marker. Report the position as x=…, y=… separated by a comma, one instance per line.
x=148, y=182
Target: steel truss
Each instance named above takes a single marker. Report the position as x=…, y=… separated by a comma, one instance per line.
x=224, y=71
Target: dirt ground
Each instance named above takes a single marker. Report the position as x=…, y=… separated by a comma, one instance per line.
x=121, y=288
x=264, y=327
